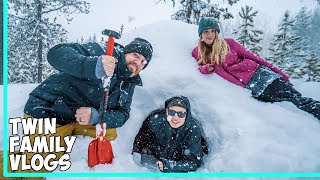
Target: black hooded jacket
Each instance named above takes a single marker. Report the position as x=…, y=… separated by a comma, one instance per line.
x=179, y=149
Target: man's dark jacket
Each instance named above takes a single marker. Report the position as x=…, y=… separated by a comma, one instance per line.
x=76, y=85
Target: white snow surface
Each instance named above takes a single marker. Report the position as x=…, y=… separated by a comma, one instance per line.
x=244, y=135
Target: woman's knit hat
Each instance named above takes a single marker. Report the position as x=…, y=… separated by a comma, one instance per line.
x=208, y=23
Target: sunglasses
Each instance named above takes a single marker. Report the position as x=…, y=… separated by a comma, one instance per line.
x=180, y=113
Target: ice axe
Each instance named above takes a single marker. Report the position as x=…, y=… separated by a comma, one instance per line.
x=100, y=149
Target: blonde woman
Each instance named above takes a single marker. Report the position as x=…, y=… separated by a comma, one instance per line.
x=231, y=61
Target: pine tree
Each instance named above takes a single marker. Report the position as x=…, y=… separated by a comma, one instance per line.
x=283, y=47
x=312, y=68
x=94, y=39
x=33, y=29
x=307, y=26
x=63, y=38
x=21, y=61
x=246, y=34
x=191, y=11
x=301, y=29
x=90, y=39
x=302, y=24
x=295, y=70
x=314, y=35
x=103, y=42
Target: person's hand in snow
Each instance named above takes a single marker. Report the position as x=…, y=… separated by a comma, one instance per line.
x=160, y=165
x=210, y=68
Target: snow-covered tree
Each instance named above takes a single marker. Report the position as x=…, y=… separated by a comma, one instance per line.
x=81, y=40
x=302, y=22
x=94, y=38
x=91, y=39
x=245, y=33
x=314, y=34
x=33, y=28
x=103, y=42
x=283, y=47
x=192, y=10
x=312, y=68
x=295, y=70
x=302, y=27
x=21, y=61
x=307, y=26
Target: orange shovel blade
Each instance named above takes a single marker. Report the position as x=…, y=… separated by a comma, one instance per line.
x=99, y=152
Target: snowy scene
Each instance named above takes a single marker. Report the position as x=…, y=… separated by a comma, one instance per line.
x=243, y=134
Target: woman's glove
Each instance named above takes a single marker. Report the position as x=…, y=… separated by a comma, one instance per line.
x=206, y=69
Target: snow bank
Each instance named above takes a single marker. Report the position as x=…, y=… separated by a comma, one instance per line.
x=244, y=135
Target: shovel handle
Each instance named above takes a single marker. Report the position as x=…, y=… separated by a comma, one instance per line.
x=100, y=130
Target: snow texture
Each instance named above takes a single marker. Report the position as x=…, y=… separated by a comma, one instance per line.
x=244, y=135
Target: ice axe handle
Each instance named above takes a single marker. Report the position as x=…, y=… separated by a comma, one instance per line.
x=109, y=52
x=110, y=46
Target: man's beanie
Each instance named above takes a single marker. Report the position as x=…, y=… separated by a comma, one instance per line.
x=208, y=23
x=140, y=46
x=177, y=102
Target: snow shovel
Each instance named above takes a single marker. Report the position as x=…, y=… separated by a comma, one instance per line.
x=100, y=149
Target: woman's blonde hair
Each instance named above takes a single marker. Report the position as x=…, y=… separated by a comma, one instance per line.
x=214, y=54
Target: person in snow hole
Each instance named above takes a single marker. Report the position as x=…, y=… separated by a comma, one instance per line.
x=231, y=61
x=170, y=139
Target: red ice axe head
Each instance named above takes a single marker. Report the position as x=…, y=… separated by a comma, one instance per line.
x=111, y=35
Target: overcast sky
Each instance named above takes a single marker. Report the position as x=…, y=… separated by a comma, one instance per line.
x=140, y=12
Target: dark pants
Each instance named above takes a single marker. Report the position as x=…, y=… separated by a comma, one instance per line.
x=280, y=90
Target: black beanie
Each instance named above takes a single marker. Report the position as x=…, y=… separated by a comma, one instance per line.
x=177, y=102
x=140, y=46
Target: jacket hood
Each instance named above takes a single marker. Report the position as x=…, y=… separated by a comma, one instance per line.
x=186, y=101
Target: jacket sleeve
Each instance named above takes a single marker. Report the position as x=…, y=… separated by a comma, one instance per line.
x=144, y=139
x=195, y=53
x=244, y=53
x=73, y=59
x=117, y=117
x=221, y=72
x=192, y=158
x=204, y=68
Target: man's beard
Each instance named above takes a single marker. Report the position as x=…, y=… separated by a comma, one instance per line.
x=133, y=68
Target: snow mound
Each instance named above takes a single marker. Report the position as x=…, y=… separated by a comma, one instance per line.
x=244, y=135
